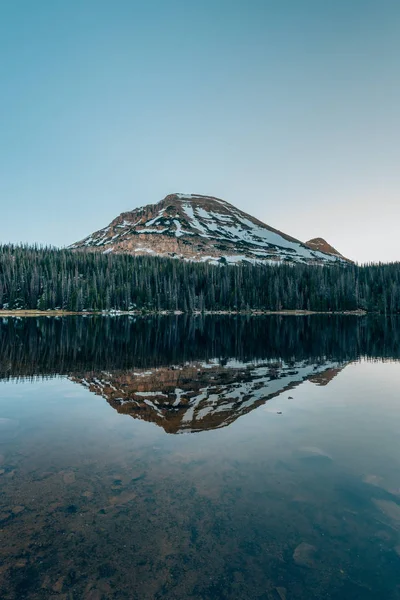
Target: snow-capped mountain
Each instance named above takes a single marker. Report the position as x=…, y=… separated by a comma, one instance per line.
x=200, y=228
x=199, y=396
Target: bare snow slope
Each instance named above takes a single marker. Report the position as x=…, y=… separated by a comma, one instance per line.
x=200, y=228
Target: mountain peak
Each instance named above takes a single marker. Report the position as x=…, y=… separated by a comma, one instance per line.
x=322, y=245
x=203, y=229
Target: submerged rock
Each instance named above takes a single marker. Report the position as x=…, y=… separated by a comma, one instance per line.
x=373, y=480
x=58, y=586
x=18, y=509
x=281, y=593
x=389, y=508
x=69, y=477
x=304, y=555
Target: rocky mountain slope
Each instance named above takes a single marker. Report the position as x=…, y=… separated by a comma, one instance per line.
x=201, y=228
x=322, y=245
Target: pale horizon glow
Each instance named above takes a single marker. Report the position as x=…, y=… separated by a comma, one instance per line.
x=287, y=110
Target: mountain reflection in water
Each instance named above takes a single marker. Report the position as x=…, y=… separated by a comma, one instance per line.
x=201, y=396
x=191, y=374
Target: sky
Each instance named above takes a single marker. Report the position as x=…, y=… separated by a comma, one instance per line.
x=287, y=109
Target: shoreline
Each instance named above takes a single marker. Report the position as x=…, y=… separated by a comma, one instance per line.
x=138, y=313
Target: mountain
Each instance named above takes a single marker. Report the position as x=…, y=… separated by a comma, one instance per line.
x=200, y=228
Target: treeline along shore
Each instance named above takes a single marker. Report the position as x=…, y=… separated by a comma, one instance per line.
x=34, y=278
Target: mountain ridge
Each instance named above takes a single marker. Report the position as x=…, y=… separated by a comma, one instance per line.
x=201, y=228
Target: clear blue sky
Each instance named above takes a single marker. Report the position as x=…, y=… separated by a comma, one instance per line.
x=289, y=109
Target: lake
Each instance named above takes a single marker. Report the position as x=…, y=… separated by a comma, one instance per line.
x=200, y=458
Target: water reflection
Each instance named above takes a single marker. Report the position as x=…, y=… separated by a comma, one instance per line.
x=199, y=396
x=191, y=375
x=291, y=490
x=55, y=346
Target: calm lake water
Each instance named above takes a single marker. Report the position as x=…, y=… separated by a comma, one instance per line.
x=200, y=458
